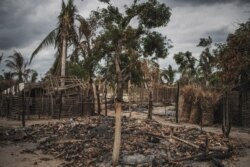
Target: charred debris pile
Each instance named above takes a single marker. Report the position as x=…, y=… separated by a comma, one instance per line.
x=89, y=141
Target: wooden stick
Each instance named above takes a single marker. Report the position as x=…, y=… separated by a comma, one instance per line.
x=186, y=142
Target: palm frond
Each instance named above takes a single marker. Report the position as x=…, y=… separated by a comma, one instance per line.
x=48, y=40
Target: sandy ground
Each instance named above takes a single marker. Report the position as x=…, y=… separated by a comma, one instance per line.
x=25, y=154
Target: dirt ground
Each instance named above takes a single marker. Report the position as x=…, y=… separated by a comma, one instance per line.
x=23, y=154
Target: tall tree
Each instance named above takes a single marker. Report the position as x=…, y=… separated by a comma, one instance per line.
x=233, y=58
x=206, y=63
x=150, y=14
x=62, y=36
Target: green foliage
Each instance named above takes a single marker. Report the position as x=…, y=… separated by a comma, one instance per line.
x=129, y=42
x=205, y=42
x=75, y=69
x=155, y=44
x=187, y=66
x=233, y=58
x=18, y=67
x=168, y=75
x=64, y=30
x=207, y=62
x=153, y=14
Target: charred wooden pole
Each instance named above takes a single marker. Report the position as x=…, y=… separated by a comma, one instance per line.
x=24, y=108
x=30, y=102
x=95, y=98
x=98, y=100
x=177, y=103
x=150, y=104
x=201, y=113
x=8, y=106
x=226, y=124
x=61, y=105
x=129, y=96
x=51, y=106
x=105, y=98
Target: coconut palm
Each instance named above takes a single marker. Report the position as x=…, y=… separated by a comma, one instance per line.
x=18, y=66
x=168, y=74
x=63, y=35
x=206, y=61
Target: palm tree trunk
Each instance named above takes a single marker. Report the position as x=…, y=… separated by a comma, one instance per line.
x=63, y=60
x=118, y=110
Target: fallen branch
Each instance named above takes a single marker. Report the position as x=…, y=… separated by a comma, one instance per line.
x=186, y=142
x=205, y=157
x=71, y=141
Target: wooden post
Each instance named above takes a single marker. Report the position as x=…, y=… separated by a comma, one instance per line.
x=201, y=115
x=24, y=108
x=98, y=100
x=82, y=100
x=105, y=98
x=177, y=103
x=150, y=105
x=51, y=106
x=29, y=102
x=226, y=124
x=61, y=105
x=129, y=97
x=8, y=106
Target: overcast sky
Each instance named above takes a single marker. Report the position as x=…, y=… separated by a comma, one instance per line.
x=24, y=23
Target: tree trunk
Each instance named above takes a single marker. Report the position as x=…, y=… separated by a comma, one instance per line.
x=24, y=108
x=177, y=103
x=61, y=105
x=226, y=124
x=90, y=94
x=95, y=97
x=150, y=104
x=129, y=98
x=63, y=61
x=105, y=98
x=118, y=109
x=98, y=100
x=117, y=139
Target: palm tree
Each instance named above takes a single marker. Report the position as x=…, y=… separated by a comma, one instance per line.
x=206, y=61
x=18, y=66
x=187, y=66
x=168, y=74
x=62, y=36
x=33, y=76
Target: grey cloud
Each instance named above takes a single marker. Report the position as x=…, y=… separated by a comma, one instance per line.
x=21, y=23
x=218, y=35
x=174, y=3
x=24, y=23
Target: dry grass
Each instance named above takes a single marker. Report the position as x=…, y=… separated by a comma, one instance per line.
x=198, y=104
